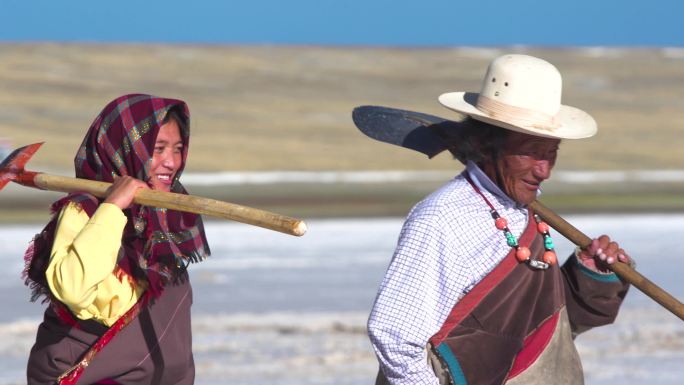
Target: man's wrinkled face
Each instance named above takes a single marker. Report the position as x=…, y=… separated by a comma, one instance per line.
x=524, y=162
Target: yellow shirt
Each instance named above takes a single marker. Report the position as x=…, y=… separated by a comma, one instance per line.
x=81, y=268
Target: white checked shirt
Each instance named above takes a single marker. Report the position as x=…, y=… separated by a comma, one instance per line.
x=447, y=245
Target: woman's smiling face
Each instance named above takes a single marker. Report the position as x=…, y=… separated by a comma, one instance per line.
x=167, y=156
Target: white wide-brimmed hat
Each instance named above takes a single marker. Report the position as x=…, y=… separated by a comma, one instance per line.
x=523, y=93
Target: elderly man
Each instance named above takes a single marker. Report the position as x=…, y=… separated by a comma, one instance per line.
x=474, y=293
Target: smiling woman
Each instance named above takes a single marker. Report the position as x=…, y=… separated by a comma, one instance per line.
x=114, y=272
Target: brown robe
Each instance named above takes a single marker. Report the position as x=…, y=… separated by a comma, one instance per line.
x=155, y=348
x=517, y=325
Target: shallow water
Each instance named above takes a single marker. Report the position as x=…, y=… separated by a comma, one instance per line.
x=271, y=308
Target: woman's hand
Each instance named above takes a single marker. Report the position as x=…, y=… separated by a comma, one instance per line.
x=122, y=191
x=602, y=252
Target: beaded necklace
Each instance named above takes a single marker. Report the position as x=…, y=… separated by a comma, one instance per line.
x=522, y=253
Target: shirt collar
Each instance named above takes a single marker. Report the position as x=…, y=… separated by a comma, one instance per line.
x=483, y=182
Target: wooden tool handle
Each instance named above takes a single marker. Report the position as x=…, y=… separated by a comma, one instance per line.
x=624, y=271
x=181, y=202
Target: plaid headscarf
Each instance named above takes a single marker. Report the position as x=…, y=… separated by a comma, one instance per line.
x=157, y=244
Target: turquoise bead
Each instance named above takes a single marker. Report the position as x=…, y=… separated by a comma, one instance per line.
x=510, y=239
x=548, y=243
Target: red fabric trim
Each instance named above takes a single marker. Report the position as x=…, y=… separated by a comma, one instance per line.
x=534, y=345
x=485, y=286
x=63, y=314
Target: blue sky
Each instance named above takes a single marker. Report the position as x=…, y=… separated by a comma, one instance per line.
x=348, y=22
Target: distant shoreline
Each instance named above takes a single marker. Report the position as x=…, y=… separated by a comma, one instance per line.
x=387, y=193
x=391, y=176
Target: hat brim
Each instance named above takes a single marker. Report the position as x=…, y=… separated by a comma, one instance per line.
x=573, y=123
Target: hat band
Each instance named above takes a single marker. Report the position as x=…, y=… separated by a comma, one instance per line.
x=517, y=116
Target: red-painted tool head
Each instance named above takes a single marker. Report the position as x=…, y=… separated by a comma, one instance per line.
x=14, y=164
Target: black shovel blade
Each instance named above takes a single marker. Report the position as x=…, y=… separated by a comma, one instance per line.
x=409, y=129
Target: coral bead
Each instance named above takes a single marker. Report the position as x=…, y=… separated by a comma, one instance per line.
x=500, y=223
x=542, y=227
x=522, y=254
x=550, y=257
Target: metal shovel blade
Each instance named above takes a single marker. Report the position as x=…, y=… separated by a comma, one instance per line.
x=408, y=129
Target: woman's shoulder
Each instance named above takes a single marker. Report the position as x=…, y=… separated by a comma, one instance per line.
x=80, y=201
